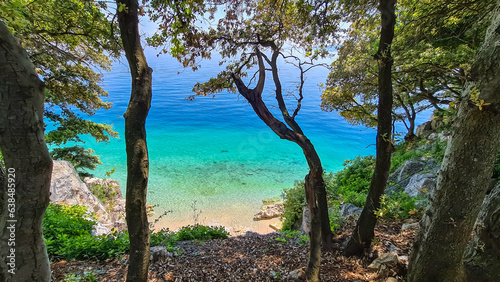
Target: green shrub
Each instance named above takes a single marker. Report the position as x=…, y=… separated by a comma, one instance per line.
x=102, y=193
x=404, y=152
x=401, y=205
x=68, y=235
x=292, y=235
x=200, y=232
x=351, y=184
x=335, y=217
x=87, y=276
x=437, y=150
x=295, y=200
x=62, y=223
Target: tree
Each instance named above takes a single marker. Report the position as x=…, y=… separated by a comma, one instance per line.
x=251, y=35
x=438, y=251
x=364, y=230
x=23, y=255
x=135, y=140
x=69, y=42
x=429, y=61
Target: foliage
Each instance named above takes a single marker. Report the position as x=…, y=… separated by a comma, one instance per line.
x=351, y=184
x=292, y=236
x=346, y=186
x=69, y=43
x=104, y=194
x=200, y=232
x=78, y=156
x=437, y=150
x=294, y=199
x=68, y=235
x=335, y=217
x=407, y=151
x=433, y=49
x=402, y=154
x=401, y=205
x=87, y=276
x=235, y=29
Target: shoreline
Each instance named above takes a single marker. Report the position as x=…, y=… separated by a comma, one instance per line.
x=236, y=219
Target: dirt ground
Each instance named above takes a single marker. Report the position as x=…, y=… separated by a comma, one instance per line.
x=257, y=257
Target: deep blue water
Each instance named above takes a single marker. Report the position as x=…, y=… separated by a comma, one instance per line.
x=216, y=151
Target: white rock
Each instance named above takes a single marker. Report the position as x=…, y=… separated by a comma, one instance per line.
x=385, y=259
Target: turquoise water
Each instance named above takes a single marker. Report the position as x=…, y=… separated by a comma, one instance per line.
x=216, y=151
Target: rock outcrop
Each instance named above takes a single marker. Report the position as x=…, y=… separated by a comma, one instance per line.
x=414, y=177
x=115, y=203
x=349, y=209
x=270, y=211
x=67, y=188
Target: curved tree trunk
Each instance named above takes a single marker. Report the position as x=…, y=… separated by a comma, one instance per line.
x=314, y=184
x=135, y=139
x=438, y=253
x=23, y=255
x=364, y=231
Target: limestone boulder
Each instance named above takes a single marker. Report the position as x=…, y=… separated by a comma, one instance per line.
x=67, y=188
x=385, y=259
x=270, y=211
x=421, y=184
x=349, y=209
x=114, y=204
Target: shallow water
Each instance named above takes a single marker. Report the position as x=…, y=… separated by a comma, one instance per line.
x=216, y=151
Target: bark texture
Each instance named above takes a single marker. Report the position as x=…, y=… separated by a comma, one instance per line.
x=482, y=256
x=364, y=231
x=446, y=227
x=27, y=162
x=135, y=140
x=314, y=184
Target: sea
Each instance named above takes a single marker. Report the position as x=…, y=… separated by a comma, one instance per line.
x=212, y=160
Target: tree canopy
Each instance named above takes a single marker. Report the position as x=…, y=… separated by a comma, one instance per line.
x=70, y=43
x=433, y=49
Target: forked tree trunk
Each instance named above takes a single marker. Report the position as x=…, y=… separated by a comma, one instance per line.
x=364, y=231
x=314, y=183
x=438, y=251
x=135, y=140
x=23, y=255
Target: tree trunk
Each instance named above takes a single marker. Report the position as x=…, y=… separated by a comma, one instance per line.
x=135, y=139
x=23, y=255
x=438, y=252
x=314, y=184
x=482, y=256
x=364, y=231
